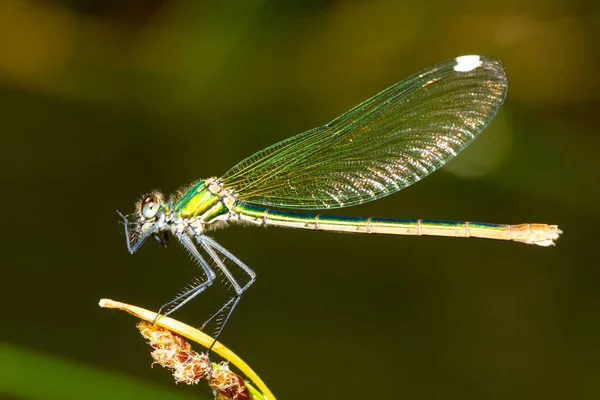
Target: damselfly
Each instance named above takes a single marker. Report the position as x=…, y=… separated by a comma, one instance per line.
x=383, y=145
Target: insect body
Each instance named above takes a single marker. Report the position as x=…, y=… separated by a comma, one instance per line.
x=383, y=145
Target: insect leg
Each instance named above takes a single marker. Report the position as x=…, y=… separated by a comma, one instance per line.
x=210, y=246
x=183, y=298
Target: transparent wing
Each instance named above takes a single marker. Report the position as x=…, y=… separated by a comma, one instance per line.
x=379, y=147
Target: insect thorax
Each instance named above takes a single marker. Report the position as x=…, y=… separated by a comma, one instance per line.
x=204, y=203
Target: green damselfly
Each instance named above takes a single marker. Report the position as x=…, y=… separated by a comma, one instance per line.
x=381, y=146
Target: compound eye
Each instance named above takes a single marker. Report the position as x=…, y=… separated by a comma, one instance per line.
x=150, y=206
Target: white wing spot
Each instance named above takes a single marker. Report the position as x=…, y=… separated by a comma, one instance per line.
x=467, y=63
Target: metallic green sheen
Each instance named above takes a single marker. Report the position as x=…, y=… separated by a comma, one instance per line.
x=183, y=200
x=196, y=201
x=286, y=216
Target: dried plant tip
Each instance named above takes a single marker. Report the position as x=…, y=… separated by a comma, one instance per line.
x=173, y=352
x=167, y=337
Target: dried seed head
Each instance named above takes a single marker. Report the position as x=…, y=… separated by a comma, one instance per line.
x=173, y=352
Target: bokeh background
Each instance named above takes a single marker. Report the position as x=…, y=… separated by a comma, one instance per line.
x=101, y=101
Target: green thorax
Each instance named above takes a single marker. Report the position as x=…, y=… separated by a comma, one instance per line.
x=199, y=201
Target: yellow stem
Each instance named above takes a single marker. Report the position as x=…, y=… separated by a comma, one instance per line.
x=194, y=335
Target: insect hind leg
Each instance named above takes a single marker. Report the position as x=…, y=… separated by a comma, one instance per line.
x=212, y=248
x=246, y=269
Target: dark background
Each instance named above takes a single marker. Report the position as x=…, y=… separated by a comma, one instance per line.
x=102, y=101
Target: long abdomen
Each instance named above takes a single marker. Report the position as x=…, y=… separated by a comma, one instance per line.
x=538, y=234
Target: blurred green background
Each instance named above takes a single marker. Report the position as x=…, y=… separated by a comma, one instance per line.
x=103, y=100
